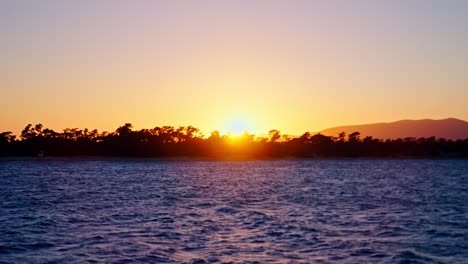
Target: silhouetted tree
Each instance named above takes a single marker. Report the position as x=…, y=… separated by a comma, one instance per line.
x=354, y=137
x=341, y=137
x=7, y=137
x=124, y=130
x=274, y=135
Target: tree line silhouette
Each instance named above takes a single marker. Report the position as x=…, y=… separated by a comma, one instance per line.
x=168, y=141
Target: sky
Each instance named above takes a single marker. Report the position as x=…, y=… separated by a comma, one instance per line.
x=290, y=65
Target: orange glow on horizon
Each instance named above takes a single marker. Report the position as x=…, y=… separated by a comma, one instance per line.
x=231, y=66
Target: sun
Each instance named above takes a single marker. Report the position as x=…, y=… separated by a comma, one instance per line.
x=238, y=124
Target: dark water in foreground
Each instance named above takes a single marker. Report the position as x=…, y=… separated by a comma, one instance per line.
x=388, y=211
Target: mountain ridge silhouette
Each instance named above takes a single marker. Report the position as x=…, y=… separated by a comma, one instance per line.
x=449, y=128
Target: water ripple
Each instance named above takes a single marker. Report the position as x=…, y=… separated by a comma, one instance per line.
x=360, y=211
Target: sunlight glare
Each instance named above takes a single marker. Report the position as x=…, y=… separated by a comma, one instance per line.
x=238, y=125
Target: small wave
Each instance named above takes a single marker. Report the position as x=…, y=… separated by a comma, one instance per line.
x=39, y=245
x=227, y=210
x=408, y=256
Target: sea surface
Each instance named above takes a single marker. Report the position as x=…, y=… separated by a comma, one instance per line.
x=299, y=211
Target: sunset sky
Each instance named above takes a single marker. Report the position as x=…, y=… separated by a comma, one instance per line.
x=291, y=65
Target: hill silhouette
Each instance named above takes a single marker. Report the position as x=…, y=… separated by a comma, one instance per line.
x=450, y=128
x=169, y=142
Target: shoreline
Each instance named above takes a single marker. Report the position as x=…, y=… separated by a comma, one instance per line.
x=185, y=158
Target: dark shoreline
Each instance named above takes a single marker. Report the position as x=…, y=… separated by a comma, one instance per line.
x=187, y=143
x=182, y=158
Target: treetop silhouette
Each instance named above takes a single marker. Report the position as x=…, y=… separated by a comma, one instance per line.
x=168, y=141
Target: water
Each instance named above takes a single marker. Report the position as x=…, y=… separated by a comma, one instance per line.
x=350, y=211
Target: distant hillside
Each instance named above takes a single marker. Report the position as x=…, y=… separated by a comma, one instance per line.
x=449, y=128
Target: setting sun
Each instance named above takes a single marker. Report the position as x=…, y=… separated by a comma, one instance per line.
x=238, y=124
